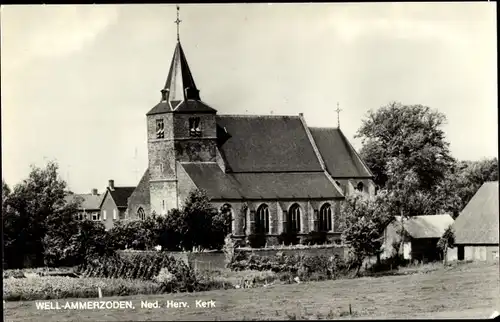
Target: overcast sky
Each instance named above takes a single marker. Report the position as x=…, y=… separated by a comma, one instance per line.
x=77, y=81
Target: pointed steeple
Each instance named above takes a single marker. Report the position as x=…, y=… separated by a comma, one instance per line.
x=180, y=85
x=180, y=94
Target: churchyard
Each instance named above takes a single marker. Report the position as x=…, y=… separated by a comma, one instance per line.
x=467, y=290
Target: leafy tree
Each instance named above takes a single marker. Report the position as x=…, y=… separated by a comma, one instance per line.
x=363, y=227
x=446, y=241
x=409, y=137
x=61, y=226
x=176, y=230
x=198, y=224
x=27, y=207
x=220, y=227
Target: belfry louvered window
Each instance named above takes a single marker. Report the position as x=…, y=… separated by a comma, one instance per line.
x=194, y=126
x=160, y=129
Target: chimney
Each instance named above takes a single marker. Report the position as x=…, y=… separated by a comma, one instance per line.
x=94, y=192
x=301, y=114
x=111, y=185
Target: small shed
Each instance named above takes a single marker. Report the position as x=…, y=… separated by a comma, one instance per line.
x=420, y=237
x=477, y=227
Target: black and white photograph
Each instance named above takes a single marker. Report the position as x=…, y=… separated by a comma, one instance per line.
x=250, y=161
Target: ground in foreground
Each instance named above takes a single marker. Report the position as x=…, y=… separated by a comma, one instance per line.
x=465, y=291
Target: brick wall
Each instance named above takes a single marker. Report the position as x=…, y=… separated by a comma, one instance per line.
x=196, y=150
x=181, y=125
x=163, y=195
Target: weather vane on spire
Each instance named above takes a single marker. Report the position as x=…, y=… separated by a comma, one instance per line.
x=338, y=110
x=178, y=21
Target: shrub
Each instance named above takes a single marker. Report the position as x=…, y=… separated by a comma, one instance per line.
x=87, y=240
x=47, y=288
x=145, y=267
x=306, y=267
x=288, y=239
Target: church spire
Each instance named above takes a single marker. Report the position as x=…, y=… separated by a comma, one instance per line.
x=180, y=85
x=178, y=22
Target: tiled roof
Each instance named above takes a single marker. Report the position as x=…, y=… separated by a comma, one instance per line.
x=180, y=87
x=88, y=201
x=266, y=144
x=213, y=180
x=432, y=226
x=478, y=222
x=190, y=106
x=341, y=160
x=220, y=185
x=120, y=195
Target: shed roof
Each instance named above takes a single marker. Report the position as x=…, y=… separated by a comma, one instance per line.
x=431, y=226
x=479, y=221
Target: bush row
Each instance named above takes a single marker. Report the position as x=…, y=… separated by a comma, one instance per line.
x=145, y=267
x=47, y=288
x=299, y=265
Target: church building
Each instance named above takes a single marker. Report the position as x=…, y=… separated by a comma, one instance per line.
x=275, y=173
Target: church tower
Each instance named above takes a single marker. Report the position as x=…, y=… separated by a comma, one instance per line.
x=181, y=128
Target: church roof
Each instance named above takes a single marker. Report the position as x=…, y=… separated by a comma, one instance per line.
x=478, y=221
x=341, y=160
x=266, y=144
x=220, y=185
x=180, y=93
x=182, y=107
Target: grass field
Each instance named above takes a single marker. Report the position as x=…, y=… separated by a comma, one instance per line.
x=465, y=291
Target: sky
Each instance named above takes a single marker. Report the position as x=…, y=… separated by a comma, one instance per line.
x=77, y=80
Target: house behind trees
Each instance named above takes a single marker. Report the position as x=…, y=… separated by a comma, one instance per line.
x=420, y=237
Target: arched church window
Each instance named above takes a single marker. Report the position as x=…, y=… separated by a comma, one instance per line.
x=194, y=126
x=160, y=129
x=294, y=218
x=360, y=187
x=226, y=208
x=325, y=218
x=262, y=219
x=141, y=214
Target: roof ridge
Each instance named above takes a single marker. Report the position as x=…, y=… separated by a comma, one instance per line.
x=257, y=116
x=323, y=128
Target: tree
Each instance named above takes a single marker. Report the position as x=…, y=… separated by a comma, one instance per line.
x=446, y=241
x=198, y=224
x=60, y=227
x=363, y=227
x=408, y=137
x=462, y=182
x=220, y=227
x=27, y=208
